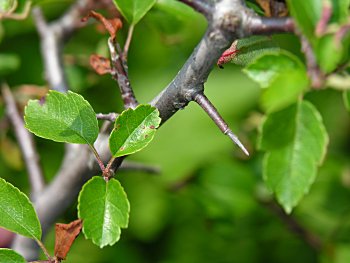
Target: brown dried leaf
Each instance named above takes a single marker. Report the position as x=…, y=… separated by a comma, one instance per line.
x=273, y=8
x=111, y=25
x=65, y=236
x=100, y=64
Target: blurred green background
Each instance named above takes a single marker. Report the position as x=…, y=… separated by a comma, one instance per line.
x=209, y=203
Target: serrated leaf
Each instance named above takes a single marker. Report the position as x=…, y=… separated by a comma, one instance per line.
x=10, y=256
x=62, y=118
x=295, y=142
x=134, y=10
x=104, y=208
x=282, y=74
x=252, y=47
x=133, y=130
x=17, y=213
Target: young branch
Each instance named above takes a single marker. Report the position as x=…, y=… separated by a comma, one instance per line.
x=210, y=109
x=26, y=143
x=313, y=70
x=200, y=6
x=140, y=167
x=107, y=117
x=54, y=35
x=310, y=238
x=269, y=25
x=127, y=43
x=227, y=21
x=121, y=76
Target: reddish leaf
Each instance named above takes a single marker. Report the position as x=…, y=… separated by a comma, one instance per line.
x=65, y=236
x=321, y=26
x=111, y=25
x=100, y=64
x=228, y=55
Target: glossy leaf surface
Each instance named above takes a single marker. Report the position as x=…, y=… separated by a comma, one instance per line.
x=10, y=256
x=17, y=213
x=283, y=76
x=104, y=208
x=134, y=10
x=133, y=130
x=295, y=142
x=62, y=118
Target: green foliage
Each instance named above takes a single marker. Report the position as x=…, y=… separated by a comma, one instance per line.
x=6, y=5
x=17, y=213
x=252, y=47
x=8, y=63
x=104, y=208
x=62, y=118
x=295, y=140
x=306, y=14
x=331, y=47
x=346, y=98
x=134, y=10
x=282, y=76
x=134, y=129
x=10, y=256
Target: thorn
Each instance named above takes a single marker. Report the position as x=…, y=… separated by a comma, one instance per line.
x=210, y=109
x=235, y=139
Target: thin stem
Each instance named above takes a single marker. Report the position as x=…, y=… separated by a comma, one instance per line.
x=98, y=158
x=202, y=7
x=313, y=70
x=107, y=117
x=112, y=166
x=26, y=143
x=310, y=238
x=43, y=248
x=210, y=109
x=120, y=75
x=127, y=42
x=268, y=25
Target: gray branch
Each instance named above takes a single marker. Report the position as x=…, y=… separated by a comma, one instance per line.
x=228, y=20
x=26, y=143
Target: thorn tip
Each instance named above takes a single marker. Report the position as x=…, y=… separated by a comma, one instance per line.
x=235, y=139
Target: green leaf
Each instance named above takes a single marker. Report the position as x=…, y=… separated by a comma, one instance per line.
x=62, y=118
x=134, y=10
x=346, y=98
x=8, y=63
x=10, y=256
x=284, y=77
x=252, y=47
x=104, y=208
x=7, y=5
x=295, y=142
x=133, y=130
x=329, y=53
x=306, y=14
x=17, y=213
x=340, y=11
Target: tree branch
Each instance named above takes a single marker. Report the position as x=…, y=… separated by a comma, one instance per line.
x=228, y=20
x=210, y=109
x=107, y=117
x=200, y=6
x=268, y=25
x=26, y=143
x=121, y=76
